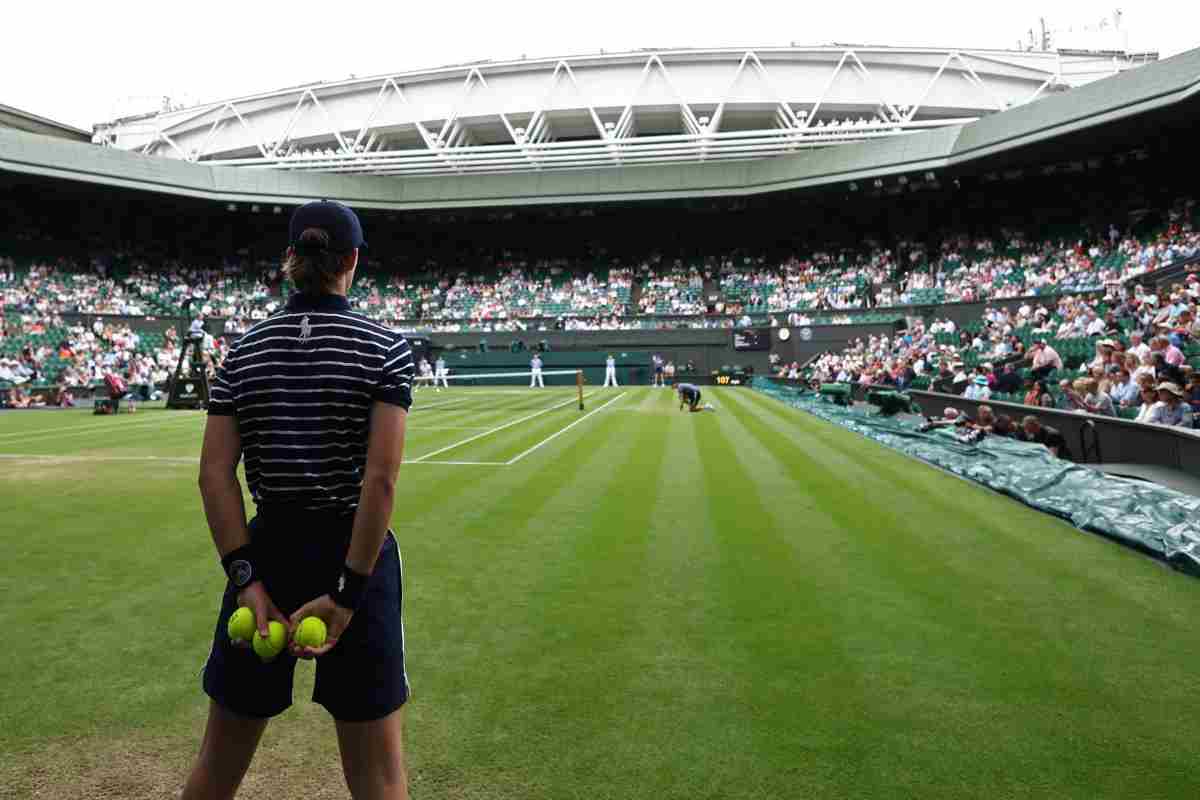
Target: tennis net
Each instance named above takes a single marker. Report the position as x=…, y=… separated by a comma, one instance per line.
x=497, y=391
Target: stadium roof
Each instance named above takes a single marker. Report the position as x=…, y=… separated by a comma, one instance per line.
x=16, y=119
x=1156, y=86
x=617, y=110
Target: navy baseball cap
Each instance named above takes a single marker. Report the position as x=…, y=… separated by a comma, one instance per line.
x=336, y=219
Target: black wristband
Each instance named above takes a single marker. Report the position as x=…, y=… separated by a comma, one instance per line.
x=239, y=566
x=350, y=588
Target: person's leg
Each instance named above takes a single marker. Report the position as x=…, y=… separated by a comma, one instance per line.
x=373, y=757
x=225, y=754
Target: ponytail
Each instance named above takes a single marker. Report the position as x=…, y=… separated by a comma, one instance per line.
x=311, y=265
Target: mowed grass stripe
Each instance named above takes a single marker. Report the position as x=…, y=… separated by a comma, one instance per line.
x=992, y=527
x=796, y=714
x=503, y=445
x=475, y=445
x=18, y=422
x=497, y=585
x=171, y=440
x=970, y=683
x=117, y=623
x=83, y=435
x=579, y=668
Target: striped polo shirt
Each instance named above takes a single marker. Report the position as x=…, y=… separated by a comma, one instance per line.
x=301, y=384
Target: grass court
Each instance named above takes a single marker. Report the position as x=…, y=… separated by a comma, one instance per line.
x=624, y=602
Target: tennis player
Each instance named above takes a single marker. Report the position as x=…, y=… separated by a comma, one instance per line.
x=658, y=370
x=610, y=371
x=426, y=375
x=440, y=373
x=315, y=400
x=689, y=397
x=535, y=374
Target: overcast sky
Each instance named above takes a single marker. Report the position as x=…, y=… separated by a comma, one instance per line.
x=83, y=63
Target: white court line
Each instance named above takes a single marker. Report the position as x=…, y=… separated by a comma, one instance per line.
x=420, y=427
x=40, y=436
x=448, y=402
x=193, y=461
x=102, y=423
x=560, y=432
x=490, y=431
x=70, y=459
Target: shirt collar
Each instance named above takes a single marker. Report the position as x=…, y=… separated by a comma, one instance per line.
x=319, y=302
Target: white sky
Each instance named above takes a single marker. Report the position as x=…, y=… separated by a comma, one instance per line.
x=84, y=62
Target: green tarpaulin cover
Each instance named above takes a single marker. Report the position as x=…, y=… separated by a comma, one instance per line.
x=1152, y=518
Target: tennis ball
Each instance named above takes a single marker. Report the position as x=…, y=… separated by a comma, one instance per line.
x=241, y=625
x=311, y=632
x=273, y=645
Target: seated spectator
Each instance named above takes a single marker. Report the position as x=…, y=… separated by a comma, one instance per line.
x=1186, y=328
x=1125, y=390
x=1003, y=426
x=1029, y=392
x=1171, y=409
x=985, y=419
x=1064, y=402
x=1032, y=430
x=1045, y=359
x=1149, y=397
x=1170, y=353
x=1087, y=396
x=1008, y=381
x=1192, y=392
x=978, y=389
x=1036, y=393
x=1166, y=372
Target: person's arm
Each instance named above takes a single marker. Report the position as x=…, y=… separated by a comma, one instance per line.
x=1187, y=417
x=225, y=509
x=385, y=451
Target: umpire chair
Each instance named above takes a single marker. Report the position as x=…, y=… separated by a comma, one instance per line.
x=189, y=389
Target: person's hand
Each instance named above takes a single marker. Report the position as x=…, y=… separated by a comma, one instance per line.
x=255, y=598
x=335, y=617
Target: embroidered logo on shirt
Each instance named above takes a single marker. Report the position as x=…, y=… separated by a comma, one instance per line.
x=305, y=329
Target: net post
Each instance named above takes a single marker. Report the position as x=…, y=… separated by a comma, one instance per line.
x=579, y=386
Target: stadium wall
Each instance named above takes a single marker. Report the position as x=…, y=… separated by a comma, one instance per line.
x=708, y=349
x=1121, y=441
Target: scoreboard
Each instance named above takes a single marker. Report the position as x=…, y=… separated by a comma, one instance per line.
x=752, y=339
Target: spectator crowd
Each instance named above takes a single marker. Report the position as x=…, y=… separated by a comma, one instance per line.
x=1080, y=339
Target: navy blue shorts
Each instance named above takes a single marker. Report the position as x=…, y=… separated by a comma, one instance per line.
x=362, y=678
x=692, y=396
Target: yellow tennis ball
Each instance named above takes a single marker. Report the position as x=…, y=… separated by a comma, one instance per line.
x=273, y=645
x=241, y=625
x=311, y=632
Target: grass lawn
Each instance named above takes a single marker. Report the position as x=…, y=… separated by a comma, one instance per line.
x=743, y=604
